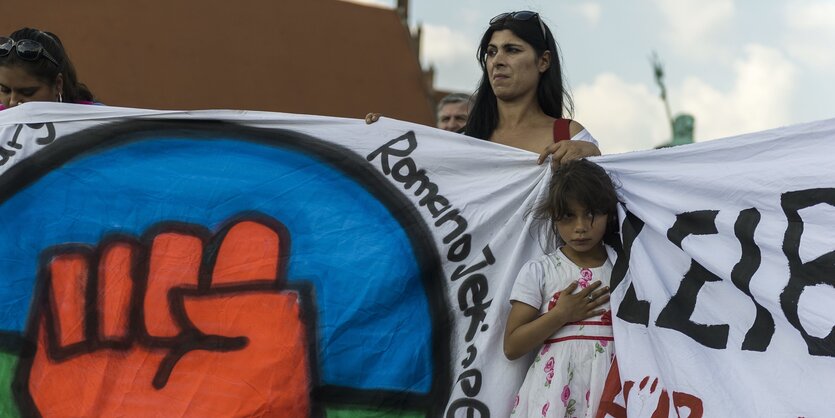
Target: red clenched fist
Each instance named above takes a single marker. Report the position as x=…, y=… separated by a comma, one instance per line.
x=174, y=328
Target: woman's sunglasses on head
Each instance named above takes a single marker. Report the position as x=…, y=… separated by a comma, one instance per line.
x=26, y=49
x=524, y=16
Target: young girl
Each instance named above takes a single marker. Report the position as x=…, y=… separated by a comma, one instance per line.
x=560, y=301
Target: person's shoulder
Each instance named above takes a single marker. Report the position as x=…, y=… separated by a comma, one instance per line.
x=558, y=258
x=569, y=126
x=575, y=128
x=579, y=132
x=545, y=261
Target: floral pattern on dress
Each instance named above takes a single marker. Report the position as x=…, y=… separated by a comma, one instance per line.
x=564, y=379
x=571, y=407
x=606, y=318
x=553, y=301
x=567, y=401
x=566, y=394
x=586, y=277
x=549, y=372
x=542, y=352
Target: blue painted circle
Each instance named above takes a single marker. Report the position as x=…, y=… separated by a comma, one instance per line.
x=372, y=308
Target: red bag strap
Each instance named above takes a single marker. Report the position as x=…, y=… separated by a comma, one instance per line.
x=561, y=132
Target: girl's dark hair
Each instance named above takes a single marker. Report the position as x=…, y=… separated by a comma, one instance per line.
x=586, y=183
x=551, y=93
x=44, y=70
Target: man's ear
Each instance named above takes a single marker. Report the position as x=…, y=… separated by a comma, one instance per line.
x=544, y=62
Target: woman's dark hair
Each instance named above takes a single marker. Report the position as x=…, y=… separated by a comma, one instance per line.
x=586, y=183
x=551, y=92
x=44, y=69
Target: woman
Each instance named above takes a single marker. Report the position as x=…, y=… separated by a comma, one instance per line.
x=34, y=67
x=520, y=99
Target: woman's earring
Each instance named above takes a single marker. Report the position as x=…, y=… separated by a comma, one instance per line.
x=60, y=98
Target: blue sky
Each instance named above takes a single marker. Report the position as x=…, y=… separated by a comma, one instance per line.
x=737, y=66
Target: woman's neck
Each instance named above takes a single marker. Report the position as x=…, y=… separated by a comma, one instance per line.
x=519, y=113
x=522, y=124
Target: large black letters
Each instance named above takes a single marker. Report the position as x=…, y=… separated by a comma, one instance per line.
x=14, y=145
x=631, y=309
x=759, y=335
x=676, y=314
x=802, y=275
x=678, y=311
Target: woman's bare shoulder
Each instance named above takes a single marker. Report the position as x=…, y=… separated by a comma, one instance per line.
x=575, y=128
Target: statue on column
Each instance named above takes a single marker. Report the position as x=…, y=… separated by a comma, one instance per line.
x=683, y=124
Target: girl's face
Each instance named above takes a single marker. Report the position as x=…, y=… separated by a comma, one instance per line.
x=582, y=230
x=18, y=86
x=512, y=66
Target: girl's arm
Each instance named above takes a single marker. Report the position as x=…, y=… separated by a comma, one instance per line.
x=526, y=330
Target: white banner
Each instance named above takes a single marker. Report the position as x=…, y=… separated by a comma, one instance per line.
x=727, y=304
x=725, y=279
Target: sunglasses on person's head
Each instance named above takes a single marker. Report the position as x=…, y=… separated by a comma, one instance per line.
x=523, y=15
x=26, y=49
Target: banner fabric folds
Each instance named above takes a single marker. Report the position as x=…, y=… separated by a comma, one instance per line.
x=231, y=263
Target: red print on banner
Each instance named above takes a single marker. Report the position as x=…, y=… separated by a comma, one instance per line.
x=648, y=399
x=180, y=324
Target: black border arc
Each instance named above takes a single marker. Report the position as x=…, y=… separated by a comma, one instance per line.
x=95, y=140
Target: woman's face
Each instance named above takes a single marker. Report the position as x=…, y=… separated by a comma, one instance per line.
x=513, y=67
x=18, y=86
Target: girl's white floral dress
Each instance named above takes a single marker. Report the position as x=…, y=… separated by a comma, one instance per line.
x=567, y=376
